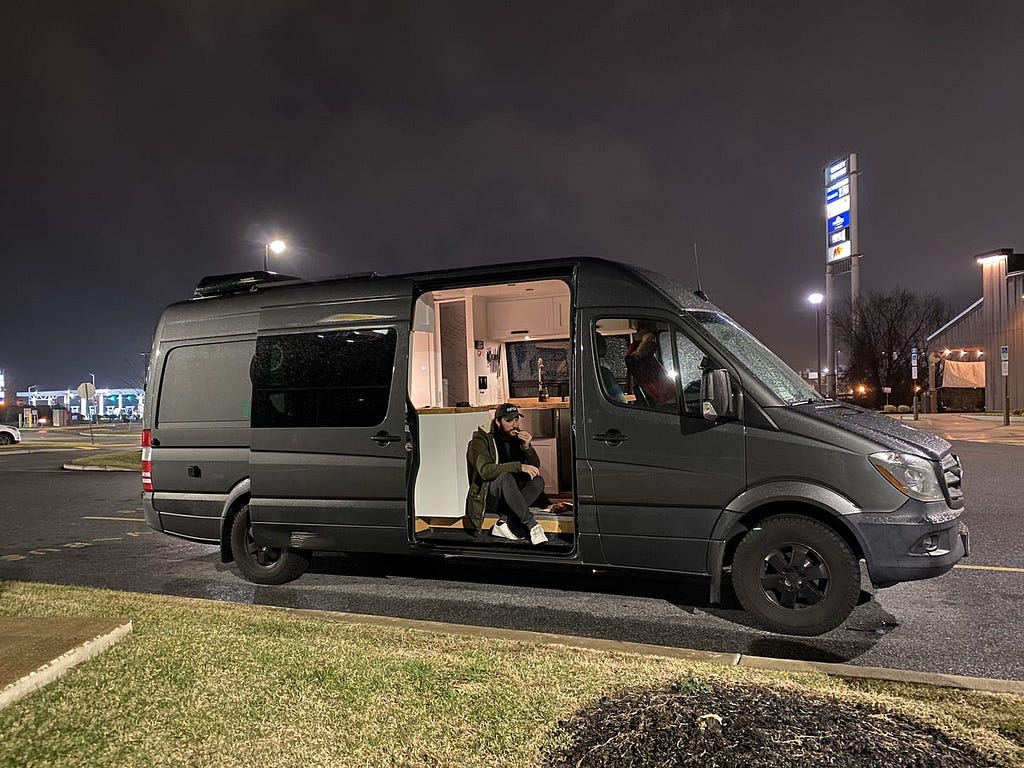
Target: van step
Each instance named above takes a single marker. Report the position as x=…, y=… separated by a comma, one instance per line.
x=552, y=524
x=459, y=537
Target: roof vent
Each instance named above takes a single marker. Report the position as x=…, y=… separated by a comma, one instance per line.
x=237, y=282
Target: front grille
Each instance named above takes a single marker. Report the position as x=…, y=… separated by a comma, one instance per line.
x=952, y=476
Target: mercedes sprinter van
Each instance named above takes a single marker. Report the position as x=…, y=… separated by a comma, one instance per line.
x=286, y=416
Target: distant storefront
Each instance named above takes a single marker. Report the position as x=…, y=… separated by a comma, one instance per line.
x=108, y=403
x=968, y=348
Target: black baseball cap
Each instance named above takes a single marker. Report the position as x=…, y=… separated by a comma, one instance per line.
x=507, y=411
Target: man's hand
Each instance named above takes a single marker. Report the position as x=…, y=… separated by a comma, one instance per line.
x=531, y=470
x=525, y=436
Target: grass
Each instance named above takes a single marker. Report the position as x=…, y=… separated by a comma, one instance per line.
x=124, y=460
x=215, y=684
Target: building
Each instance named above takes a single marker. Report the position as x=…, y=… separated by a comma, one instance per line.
x=974, y=339
x=113, y=403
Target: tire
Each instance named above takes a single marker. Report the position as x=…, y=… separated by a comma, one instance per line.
x=796, y=575
x=6, y=438
x=264, y=565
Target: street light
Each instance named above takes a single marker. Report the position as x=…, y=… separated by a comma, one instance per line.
x=816, y=299
x=277, y=246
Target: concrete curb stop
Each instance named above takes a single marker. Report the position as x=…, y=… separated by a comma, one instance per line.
x=84, y=468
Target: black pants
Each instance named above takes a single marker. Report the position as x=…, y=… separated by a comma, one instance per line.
x=507, y=493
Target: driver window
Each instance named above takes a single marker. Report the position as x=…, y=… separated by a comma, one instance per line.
x=645, y=363
x=635, y=363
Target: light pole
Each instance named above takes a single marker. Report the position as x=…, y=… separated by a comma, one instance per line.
x=816, y=299
x=277, y=246
x=92, y=437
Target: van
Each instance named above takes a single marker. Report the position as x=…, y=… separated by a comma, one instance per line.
x=287, y=416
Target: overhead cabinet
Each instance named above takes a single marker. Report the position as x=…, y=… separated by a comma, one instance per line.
x=517, y=318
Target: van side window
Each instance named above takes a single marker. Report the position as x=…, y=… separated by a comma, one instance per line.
x=331, y=379
x=634, y=362
x=206, y=384
x=643, y=363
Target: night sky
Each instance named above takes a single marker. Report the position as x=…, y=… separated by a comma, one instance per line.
x=146, y=144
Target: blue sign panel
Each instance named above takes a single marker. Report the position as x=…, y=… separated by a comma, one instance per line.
x=839, y=221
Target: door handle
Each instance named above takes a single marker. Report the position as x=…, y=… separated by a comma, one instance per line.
x=382, y=438
x=613, y=437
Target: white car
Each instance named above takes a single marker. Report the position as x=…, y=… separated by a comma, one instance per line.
x=9, y=435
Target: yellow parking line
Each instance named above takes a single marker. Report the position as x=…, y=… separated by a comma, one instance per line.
x=131, y=519
x=990, y=568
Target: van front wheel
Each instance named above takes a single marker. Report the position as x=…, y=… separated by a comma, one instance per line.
x=796, y=575
x=264, y=565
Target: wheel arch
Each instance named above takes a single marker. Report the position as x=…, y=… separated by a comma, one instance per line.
x=815, y=502
x=237, y=498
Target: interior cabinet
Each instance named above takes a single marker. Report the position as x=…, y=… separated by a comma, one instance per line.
x=547, y=452
x=517, y=318
x=560, y=309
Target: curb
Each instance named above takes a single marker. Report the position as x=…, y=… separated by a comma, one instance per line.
x=59, y=666
x=93, y=468
x=23, y=451
x=984, y=684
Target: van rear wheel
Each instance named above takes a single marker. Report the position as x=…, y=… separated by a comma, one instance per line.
x=796, y=575
x=264, y=565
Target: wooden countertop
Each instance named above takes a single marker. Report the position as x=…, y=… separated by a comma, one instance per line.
x=524, y=403
x=531, y=403
x=471, y=409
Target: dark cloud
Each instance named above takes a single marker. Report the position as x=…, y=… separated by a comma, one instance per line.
x=147, y=144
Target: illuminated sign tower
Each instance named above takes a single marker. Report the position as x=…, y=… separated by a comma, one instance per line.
x=842, y=253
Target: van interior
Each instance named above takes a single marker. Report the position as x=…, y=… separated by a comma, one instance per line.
x=473, y=348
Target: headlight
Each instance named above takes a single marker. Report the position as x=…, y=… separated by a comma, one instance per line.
x=912, y=475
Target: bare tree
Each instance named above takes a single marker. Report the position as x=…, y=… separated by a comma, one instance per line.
x=880, y=333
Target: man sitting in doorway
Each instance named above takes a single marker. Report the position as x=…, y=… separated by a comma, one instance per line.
x=504, y=476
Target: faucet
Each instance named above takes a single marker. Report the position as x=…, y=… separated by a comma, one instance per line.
x=542, y=392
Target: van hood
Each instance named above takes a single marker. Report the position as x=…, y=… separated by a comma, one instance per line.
x=890, y=433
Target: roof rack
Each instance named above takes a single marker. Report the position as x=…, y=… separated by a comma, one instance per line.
x=237, y=282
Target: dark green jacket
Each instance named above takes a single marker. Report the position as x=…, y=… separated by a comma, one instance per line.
x=483, y=466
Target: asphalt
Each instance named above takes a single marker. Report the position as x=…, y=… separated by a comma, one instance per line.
x=37, y=651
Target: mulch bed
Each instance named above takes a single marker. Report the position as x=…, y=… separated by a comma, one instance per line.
x=695, y=723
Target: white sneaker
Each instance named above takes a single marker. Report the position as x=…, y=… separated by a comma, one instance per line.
x=537, y=535
x=502, y=531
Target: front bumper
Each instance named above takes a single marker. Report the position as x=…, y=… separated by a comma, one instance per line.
x=918, y=541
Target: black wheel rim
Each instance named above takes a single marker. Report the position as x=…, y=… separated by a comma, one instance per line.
x=261, y=556
x=795, y=577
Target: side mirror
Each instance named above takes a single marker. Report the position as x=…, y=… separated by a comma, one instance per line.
x=716, y=394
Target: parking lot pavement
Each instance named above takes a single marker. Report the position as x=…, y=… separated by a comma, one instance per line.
x=974, y=427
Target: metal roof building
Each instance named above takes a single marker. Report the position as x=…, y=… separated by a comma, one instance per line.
x=994, y=321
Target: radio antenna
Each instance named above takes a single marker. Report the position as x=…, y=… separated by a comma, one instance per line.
x=696, y=263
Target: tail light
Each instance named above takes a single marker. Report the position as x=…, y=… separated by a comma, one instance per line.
x=147, y=461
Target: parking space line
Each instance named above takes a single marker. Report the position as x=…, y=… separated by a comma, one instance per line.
x=1003, y=568
x=128, y=519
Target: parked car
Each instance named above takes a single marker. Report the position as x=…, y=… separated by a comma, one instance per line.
x=9, y=435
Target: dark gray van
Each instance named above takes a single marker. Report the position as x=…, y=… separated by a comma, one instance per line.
x=286, y=416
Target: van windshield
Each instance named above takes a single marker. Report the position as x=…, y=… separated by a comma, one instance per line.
x=756, y=357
